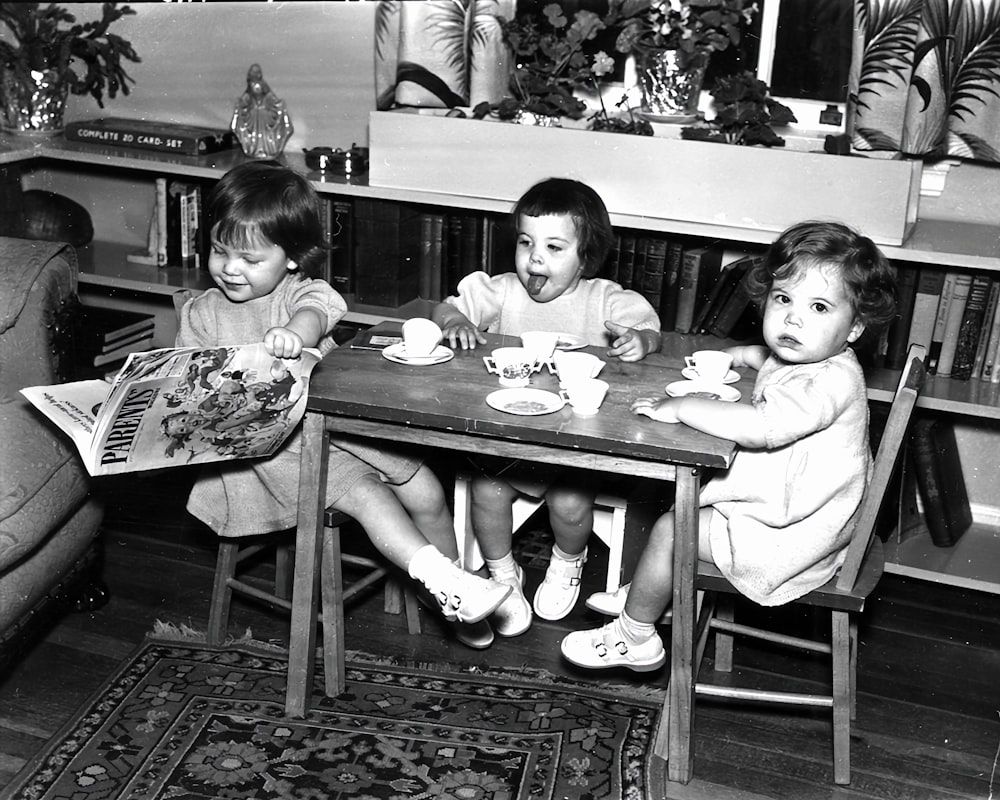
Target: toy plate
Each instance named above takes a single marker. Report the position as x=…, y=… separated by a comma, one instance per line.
x=525, y=402
x=711, y=391
x=567, y=341
x=692, y=375
x=397, y=353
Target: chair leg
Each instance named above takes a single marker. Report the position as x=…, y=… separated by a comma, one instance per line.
x=854, y=667
x=222, y=594
x=284, y=566
x=841, y=642
x=403, y=599
x=332, y=605
x=725, y=609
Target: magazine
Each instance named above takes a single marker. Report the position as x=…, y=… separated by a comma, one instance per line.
x=180, y=406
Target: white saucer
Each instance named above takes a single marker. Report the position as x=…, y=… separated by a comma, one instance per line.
x=692, y=375
x=525, y=402
x=567, y=341
x=717, y=391
x=397, y=353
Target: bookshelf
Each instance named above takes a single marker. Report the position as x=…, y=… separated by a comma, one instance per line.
x=933, y=241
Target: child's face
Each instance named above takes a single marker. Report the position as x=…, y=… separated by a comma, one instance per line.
x=808, y=316
x=547, y=255
x=245, y=274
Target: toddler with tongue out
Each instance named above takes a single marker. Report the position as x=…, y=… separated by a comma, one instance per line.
x=564, y=236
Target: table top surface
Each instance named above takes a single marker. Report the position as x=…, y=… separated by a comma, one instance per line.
x=451, y=396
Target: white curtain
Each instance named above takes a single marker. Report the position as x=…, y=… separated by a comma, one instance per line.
x=440, y=53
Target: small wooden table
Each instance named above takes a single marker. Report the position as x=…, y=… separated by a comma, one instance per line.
x=358, y=392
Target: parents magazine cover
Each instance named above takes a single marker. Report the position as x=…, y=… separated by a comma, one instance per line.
x=180, y=406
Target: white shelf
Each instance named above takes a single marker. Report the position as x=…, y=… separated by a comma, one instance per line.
x=972, y=562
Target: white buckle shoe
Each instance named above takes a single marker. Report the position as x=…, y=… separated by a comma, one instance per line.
x=558, y=593
x=464, y=597
x=513, y=616
x=604, y=648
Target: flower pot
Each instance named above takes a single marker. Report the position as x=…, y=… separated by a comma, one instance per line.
x=670, y=81
x=33, y=102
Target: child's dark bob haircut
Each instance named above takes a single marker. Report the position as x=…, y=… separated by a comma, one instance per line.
x=584, y=206
x=869, y=277
x=266, y=202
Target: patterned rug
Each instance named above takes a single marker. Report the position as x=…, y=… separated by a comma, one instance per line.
x=184, y=720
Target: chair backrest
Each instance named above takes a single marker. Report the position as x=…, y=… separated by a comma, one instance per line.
x=889, y=450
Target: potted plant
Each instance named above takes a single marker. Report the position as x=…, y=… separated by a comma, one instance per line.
x=744, y=113
x=672, y=41
x=554, y=58
x=53, y=55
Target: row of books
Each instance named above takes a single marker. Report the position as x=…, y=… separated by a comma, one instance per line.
x=388, y=253
x=692, y=286
x=177, y=237
x=106, y=336
x=955, y=315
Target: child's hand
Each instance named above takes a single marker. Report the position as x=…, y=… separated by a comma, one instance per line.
x=662, y=409
x=630, y=344
x=463, y=334
x=283, y=343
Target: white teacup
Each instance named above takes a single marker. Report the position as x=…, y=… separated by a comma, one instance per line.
x=585, y=394
x=541, y=343
x=420, y=337
x=514, y=365
x=712, y=366
x=575, y=365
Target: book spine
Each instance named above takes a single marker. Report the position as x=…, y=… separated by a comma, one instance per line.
x=162, y=233
x=970, y=327
x=340, y=220
x=165, y=141
x=736, y=307
x=986, y=331
x=925, y=305
x=938, y=474
x=626, y=263
x=990, y=357
x=652, y=276
x=953, y=324
x=898, y=335
x=671, y=282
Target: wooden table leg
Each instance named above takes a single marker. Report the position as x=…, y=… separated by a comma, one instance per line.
x=680, y=713
x=308, y=544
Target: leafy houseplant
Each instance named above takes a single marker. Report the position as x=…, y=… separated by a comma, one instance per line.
x=744, y=113
x=553, y=58
x=691, y=26
x=52, y=50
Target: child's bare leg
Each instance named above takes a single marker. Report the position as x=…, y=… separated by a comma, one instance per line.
x=493, y=526
x=462, y=596
x=631, y=640
x=492, y=515
x=571, y=515
x=423, y=498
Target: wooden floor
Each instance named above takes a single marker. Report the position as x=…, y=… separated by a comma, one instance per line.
x=929, y=677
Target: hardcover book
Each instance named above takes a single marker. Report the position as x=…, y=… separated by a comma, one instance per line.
x=940, y=481
x=953, y=322
x=175, y=406
x=165, y=137
x=99, y=327
x=897, y=339
x=925, y=305
x=699, y=272
x=971, y=326
x=671, y=282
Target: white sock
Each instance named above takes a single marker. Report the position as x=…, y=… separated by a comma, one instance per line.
x=561, y=554
x=426, y=562
x=632, y=631
x=503, y=567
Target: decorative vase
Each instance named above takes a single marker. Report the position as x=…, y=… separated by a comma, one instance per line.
x=670, y=81
x=33, y=103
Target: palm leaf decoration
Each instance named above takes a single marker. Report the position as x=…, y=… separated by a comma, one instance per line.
x=890, y=31
x=976, y=58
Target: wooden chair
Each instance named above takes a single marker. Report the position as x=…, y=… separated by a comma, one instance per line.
x=844, y=595
x=610, y=516
x=333, y=594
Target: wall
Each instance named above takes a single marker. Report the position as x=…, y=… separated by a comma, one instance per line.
x=317, y=57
